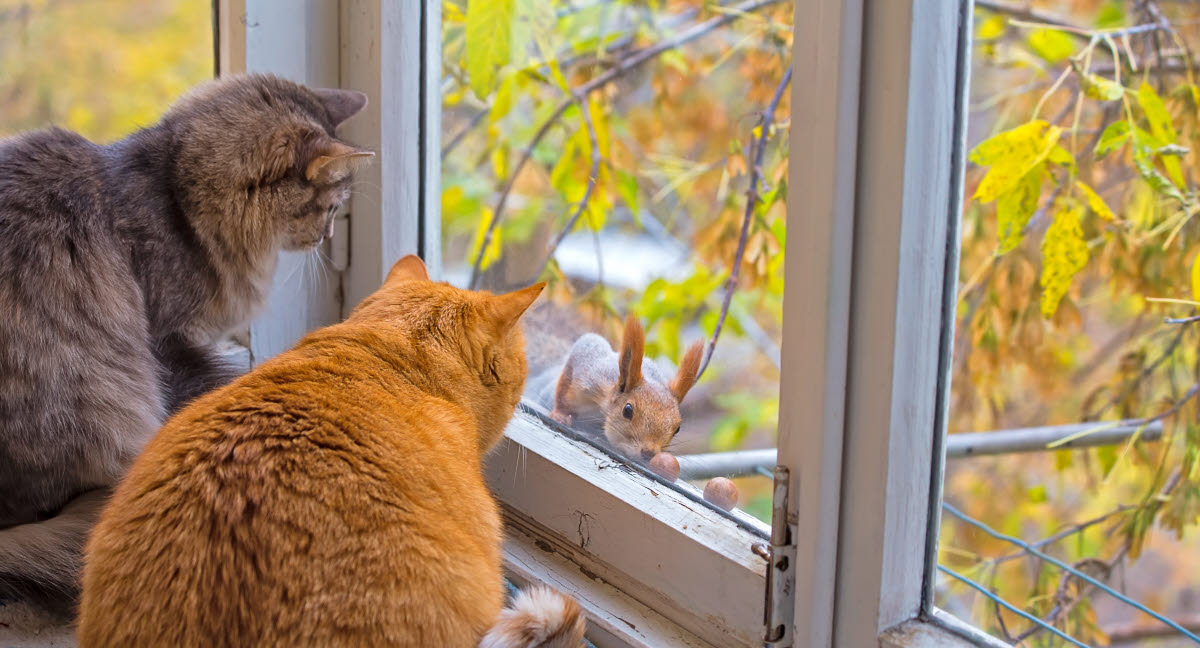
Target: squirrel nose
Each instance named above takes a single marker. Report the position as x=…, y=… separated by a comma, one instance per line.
x=648, y=454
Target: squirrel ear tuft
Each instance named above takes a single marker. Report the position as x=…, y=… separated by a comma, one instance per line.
x=409, y=268
x=685, y=377
x=633, y=347
x=509, y=307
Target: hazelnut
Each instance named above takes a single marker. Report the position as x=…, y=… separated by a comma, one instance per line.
x=722, y=492
x=665, y=465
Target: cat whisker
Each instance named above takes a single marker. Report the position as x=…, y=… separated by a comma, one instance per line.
x=366, y=183
x=291, y=273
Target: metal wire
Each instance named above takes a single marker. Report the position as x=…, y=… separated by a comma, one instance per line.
x=1011, y=608
x=1069, y=569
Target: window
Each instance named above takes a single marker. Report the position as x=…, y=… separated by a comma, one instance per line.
x=606, y=148
x=1073, y=378
x=875, y=128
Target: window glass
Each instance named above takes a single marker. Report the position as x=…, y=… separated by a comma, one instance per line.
x=1073, y=419
x=607, y=148
x=102, y=68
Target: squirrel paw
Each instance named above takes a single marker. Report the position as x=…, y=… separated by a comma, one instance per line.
x=562, y=418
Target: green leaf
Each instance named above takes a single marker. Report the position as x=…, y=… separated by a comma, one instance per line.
x=1155, y=179
x=1064, y=254
x=1014, y=208
x=488, y=42
x=1095, y=202
x=1051, y=44
x=1111, y=15
x=1107, y=456
x=1112, y=138
x=627, y=187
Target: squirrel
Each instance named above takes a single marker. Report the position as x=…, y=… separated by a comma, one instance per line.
x=633, y=402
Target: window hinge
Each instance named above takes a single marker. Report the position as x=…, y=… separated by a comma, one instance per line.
x=781, y=572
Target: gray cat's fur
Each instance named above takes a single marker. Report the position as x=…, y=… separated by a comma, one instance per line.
x=120, y=267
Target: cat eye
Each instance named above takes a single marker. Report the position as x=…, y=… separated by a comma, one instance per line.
x=628, y=411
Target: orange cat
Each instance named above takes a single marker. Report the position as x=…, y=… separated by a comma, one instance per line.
x=332, y=496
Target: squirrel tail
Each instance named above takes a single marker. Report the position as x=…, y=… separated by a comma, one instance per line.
x=538, y=617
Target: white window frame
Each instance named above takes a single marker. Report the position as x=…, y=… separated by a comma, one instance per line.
x=877, y=141
x=876, y=152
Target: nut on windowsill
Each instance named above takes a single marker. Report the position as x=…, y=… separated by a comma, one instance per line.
x=665, y=465
x=722, y=492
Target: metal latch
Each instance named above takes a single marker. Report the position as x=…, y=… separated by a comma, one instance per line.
x=779, y=611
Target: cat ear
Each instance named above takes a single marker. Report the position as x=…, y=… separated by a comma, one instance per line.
x=410, y=268
x=686, y=376
x=508, y=308
x=333, y=161
x=341, y=104
x=633, y=346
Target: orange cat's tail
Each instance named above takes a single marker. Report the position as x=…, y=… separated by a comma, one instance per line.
x=538, y=617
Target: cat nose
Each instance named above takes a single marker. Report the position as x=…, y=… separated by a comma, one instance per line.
x=648, y=454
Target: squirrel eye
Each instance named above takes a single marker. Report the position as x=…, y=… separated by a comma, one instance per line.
x=676, y=431
x=628, y=411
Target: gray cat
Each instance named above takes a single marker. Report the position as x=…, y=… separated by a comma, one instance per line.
x=120, y=267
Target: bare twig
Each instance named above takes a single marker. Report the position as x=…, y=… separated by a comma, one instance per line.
x=1136, y=633
x=1064, y=606
x=752, y=199
x=1144, y=374
x=1065, y=533
x=1024, y=13
x=593, y=172
x=622, y=67
x=458, y=137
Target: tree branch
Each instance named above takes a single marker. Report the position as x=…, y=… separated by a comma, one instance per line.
x=587, y=193
x=622, y=67
x=752, y=199
x=1024, y=13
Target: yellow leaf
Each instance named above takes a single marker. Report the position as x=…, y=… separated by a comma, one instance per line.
x=493, y=249
x=1051, y=44
x=992, y=28
x=1098, y=87
x=1024, y=154
x=1014, y=208
x=1064, y=254
x=499, y=158
x=488, y=42
x=1095, y=202
x=1196, y=278
x=505, y=98
x=1010, y=142
x=1161, y=127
